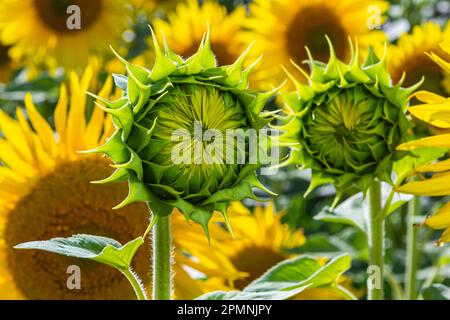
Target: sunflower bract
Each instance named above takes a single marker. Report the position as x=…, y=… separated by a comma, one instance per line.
x=162, y=111
x=346, y=124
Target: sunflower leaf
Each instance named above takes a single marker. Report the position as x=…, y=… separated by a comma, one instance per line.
x=436, y=292
x=302, y=271
x=242, y=295
x=288, y=279
x=351, y=211
x=104, y=250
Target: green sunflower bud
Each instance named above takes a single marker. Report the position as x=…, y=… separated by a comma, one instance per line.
x=346, y=124
x=172, y=128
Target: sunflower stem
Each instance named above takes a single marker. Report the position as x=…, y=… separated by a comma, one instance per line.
x=162, y=259
x=375, y=223
x=411, y=250
x=136, y=283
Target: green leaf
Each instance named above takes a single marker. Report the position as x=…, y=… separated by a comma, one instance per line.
x=289, y=278
x=104, y=250
x=351, y=211
x=121, y=81
x=242, y=295
x=436, y=292
x=349, y=240
x=300, y=272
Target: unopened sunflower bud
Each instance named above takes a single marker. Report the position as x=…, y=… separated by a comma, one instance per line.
x=347, y=122
x=173, y=133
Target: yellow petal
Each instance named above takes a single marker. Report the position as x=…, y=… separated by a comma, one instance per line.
x=13, y=132
x=96, y=123
x=86, y=78
x=43, y=129
x=440, y=141
x=76, y=123
x=441, y=62
x=441, y=219
x=42, y=161
x=61, y=116
x=440, y=166
x=445, y=46
x=445, y=237
x=9, y=157
x=439, y=186
x=437, y=115
x=428, y=97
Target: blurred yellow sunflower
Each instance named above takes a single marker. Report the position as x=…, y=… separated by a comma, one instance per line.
x=45, y=192
x=282, y=29
x=261, y=240
x=184, y=33
x=61, y=32
x=409, y=56
x=435, y=111
x=153, y=6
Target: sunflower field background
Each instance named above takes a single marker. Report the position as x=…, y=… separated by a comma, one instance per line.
x=389, y=60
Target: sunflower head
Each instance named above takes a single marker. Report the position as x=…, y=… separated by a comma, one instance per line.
x=347, y=123
x=173, y=133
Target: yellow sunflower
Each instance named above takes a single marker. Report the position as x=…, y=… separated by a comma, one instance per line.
x=282, y=29
x=41, y=31
x=409, y=56
x=185, y=27
x=45, y=192
x=435, y=111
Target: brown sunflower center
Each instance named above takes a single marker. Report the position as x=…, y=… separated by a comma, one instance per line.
x=255, y=261
x=66, y=203
x=54, y=13
x=308, y=28
x=4, y=57
x=221, y=50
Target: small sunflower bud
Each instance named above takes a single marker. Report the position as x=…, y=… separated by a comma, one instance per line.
x=347, y=123
x=173, y=133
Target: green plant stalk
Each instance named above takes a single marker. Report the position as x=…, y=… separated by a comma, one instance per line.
x=397, y=292
x=411, y=250
x=136, y=284
x=162, y=259
x=375, y=224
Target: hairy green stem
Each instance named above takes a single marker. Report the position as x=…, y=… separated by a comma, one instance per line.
x=411, y=250
x=136, y=283
x=375, y=223
x=162, y=259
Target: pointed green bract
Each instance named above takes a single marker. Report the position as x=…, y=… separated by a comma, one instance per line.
x=158, y=119
x=346, y=123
